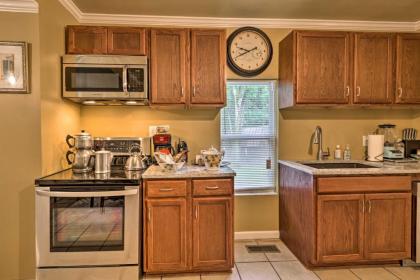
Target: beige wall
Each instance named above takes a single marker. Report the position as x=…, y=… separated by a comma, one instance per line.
x=20, y=156
x=58, y=117
x=201, y=129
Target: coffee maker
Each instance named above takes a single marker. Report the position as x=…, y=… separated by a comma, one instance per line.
x=162, y=142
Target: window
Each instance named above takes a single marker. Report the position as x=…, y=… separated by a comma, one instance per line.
x=248, y=132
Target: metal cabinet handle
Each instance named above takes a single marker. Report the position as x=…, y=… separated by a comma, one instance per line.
x=347, y=91
x=400, y=90
x=149, y=213
x=196, y=212
x=182, y=91
x=212, y=188
x=369, y=206
x=363, y=206
x=166, y=189
x=194, y=91
x=357, y=91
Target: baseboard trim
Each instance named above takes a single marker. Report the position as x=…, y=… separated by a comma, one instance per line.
x=241, y=235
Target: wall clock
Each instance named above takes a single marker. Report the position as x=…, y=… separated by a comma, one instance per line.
x=249, y=51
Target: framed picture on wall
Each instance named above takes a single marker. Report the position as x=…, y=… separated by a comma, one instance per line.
x=14, y=67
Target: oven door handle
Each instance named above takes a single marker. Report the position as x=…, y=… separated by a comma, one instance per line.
x=87, y=194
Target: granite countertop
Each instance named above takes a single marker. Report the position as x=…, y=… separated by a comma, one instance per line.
x=155, y=172
x=382, y=168
x=68, y=178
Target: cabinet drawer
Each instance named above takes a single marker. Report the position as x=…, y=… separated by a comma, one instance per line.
x=212, y=187
x=364, y=184
x=166, y=188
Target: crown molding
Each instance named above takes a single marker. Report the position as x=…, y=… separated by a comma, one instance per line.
x=148, y=20
x=19, y=6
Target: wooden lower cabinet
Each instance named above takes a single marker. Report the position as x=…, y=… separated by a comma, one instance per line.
x=340, y=228
x=363, y=227
x=212, y=232
x=188, y=225
x=166, y=237
x=388, y=226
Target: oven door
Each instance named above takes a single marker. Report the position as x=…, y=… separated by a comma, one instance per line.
x=82, y=226
x=92, y=81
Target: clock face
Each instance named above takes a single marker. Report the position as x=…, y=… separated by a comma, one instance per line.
x=249, y=51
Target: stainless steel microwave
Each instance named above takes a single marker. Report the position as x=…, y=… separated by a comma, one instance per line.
x=105, y=79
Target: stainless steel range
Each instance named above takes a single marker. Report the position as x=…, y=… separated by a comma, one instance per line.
x=87, y=225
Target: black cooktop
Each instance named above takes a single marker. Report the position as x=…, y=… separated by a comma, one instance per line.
x=68, y=178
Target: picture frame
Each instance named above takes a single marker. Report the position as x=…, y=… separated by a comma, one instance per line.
x=14, y=70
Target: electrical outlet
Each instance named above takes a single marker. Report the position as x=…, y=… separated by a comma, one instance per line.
x=154, y=128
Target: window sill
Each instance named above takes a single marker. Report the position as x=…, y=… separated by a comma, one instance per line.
x=273, y=193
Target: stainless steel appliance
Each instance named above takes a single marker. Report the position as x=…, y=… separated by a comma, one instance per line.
x=82, y=158
x=84, y=226
x=105, y=79
x=137, y=160
x=121, y=146
x=416, y=223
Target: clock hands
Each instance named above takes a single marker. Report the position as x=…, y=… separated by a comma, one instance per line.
x=245, y=51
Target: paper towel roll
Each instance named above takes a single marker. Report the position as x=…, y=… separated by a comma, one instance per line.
x=375, y=147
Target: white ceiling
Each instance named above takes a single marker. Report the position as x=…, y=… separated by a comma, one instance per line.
x=366, y=10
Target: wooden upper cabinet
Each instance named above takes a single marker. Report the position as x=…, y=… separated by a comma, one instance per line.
x=322, y=68
x=208, y=60
x=388, y=226
x=212, y=232
x=340, y=221
x=127, y=40
x=166, y=235
x=408, y=69
x=373, y=63
x=86, y=40
x=169, y=69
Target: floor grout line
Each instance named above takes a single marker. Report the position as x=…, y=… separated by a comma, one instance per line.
x=357, y=276
x=278, y=275
x=237, y=269
x=391, y=272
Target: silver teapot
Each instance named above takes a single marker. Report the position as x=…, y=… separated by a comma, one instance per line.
x=136, y=161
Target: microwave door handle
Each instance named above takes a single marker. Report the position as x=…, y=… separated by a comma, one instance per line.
x=125, y=76
x=87, y=194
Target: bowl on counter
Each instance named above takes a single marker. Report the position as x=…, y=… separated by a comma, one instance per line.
x=171, y=167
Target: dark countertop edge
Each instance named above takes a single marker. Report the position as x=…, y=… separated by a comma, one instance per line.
x=64, y=183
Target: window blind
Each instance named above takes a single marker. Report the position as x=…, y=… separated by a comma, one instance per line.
x=249, y=134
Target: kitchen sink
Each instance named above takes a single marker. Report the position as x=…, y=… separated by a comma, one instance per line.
x=338, y=165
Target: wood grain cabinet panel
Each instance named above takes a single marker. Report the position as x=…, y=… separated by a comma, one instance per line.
x=340, y=230
x=408, y=69
x=208, y=59
x=169, y=68
x=212, y=232
x=166, y=236
x=127, y=40
x=86, y=40
x=373, y=60
x=388, y=226
x=322, y=68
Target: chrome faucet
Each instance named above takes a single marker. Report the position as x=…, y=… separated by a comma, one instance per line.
x=321, y=155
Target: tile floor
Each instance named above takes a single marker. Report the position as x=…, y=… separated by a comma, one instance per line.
x=285, y=266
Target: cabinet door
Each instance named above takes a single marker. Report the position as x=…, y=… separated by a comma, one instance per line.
x=322, y=68
x=208, y=59
x=127, y=40
x=86, y=40
x=408, y=69
x=166, y=235
x=373, y=68
x=388, y=226
x=212, y=232
x=169, y=69
x=340, y=228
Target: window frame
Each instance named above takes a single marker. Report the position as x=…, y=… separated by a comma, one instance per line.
x=269, y=190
